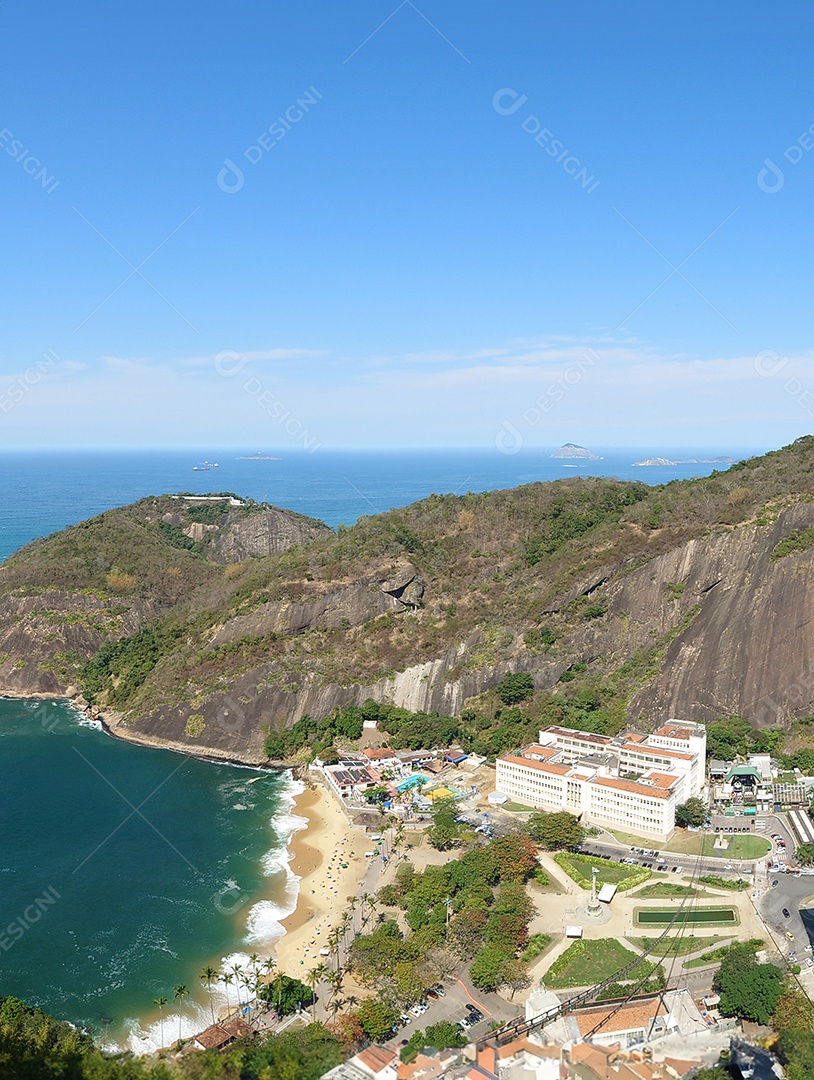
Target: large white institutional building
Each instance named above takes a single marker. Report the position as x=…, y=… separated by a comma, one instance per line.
x=630, y=782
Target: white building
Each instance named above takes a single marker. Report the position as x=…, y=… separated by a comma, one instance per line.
x=628, y=782
x=673, y=749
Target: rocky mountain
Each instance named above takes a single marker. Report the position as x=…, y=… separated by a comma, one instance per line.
x=205, y=625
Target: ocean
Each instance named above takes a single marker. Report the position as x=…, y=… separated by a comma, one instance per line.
x=124, y=870
x=46, y=491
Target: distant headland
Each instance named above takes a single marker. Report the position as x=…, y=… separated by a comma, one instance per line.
x=686, y=461
x=571, y=451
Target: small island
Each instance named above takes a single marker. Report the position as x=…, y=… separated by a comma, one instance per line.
x=571, y=451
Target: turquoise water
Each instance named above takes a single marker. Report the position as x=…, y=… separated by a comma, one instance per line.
x=412, y=781
x=124, y=870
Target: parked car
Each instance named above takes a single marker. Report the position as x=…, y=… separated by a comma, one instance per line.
x=774, y=883
x=440, y=991
x=786, y=913
x=431, y=994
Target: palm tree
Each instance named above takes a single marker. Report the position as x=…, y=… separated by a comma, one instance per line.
x=208, y=976
x=178, y=994
x=335, y=980
x=268, y=965
x=250, y=983
x=237, y=970
x=161, y=1003
x=372, y=903
x=227, y=978
x=341, y=937
x=279, y=983
x=365, y=901
x=398, y=839
x=312, y=980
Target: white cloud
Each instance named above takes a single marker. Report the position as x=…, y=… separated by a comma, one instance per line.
x=549, y=390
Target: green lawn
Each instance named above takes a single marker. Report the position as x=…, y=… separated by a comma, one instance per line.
x=537, y=945
x=610, y=873
x=517, y=808
x=742, y=845
x=737, y=885
x=718, y=954
x=587, y=962
x=688, y=943
x=660, y=889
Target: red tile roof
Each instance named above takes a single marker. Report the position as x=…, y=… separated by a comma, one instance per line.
x=541, y=766
x=630, y=785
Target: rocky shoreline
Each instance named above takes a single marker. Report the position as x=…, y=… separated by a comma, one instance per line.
x=112, y=724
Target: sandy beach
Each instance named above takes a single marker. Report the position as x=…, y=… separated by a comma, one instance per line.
x=318, y=854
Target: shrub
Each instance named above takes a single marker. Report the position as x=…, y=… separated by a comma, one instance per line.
x=515, y=687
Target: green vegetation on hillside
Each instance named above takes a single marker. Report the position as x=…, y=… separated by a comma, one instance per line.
x=519, y=576
x=796, y=542
x=34, y=1046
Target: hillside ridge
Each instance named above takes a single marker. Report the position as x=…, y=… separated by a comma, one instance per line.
x=208, y=627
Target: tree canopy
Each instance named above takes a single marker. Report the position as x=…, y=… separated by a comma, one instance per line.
x=555, y=831
x=691, y=812
x=515, y=687
x=748, y=990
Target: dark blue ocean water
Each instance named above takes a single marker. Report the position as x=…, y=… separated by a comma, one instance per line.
x=45, y=492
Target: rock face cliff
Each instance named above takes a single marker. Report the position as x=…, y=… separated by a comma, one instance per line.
x=750, y=649
x=218, y=624
x=63, y=597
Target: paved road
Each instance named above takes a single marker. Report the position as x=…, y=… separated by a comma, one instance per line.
x=453, y=1007
x=734, y=868
x=770, y=901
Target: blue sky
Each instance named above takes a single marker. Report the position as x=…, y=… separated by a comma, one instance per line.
x=405, y=224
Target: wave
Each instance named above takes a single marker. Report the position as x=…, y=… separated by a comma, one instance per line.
x=263, y=928
x=141, y=1040
x=264, y=923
